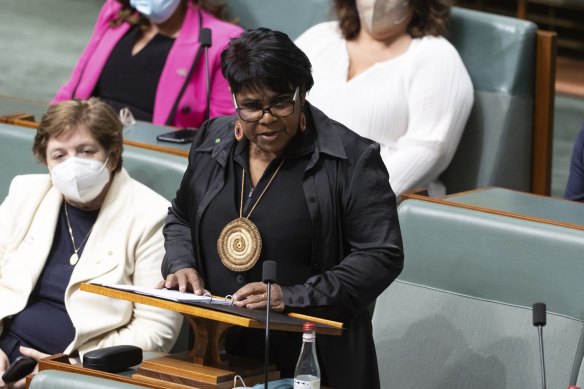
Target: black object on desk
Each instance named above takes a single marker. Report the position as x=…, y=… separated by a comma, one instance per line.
x=184, y=135
x=20, y=368
x=113, y=359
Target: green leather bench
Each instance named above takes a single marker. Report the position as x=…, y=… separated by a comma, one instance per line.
x=460, y=313
x=56, y=379
x=496, y=146
x=161, y=172
x=291, y=17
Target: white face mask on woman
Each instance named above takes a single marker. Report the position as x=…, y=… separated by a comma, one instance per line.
x=79, y=179
x=157, y=11
x=379, y=16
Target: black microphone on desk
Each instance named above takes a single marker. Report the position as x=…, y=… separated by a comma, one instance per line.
x=206, y=42
x=269, y=277
x=539, y=321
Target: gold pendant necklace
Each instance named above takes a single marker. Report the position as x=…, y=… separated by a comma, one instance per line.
x=75, y=257
x=240, y=243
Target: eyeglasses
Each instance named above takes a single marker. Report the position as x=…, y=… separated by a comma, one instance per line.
x=278, y=110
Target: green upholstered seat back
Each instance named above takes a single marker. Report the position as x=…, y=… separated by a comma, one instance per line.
x=499, y=54
x=16, y=155
x=495, y=257
x=291, y=17
x=160, y=171
x=461, y=307
x=428, y=338
x=57, y=379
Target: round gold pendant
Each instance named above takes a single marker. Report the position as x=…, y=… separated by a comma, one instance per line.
x=239, y=245
x=74, y=259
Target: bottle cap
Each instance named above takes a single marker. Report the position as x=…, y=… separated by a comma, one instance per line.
x=308, y=326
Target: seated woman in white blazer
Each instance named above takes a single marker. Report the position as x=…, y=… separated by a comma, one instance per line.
x=85, y=221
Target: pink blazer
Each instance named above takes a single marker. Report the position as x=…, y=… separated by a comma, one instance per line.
x=190, y=111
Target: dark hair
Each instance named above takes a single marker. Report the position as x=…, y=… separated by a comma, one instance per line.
x=430, y=17
x=99, y=118
x=264, y=58
x=129, y=14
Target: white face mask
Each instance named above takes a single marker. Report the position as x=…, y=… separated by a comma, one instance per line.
x=379, y=16
x=157, y=11
x=79, y=179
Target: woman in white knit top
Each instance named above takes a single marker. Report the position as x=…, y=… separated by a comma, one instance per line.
x=385, y=71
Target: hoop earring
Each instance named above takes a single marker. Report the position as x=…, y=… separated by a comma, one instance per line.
x=237, y=131
x=302, y=122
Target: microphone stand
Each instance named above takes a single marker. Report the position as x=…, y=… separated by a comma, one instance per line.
x=206, y=42
x=539, y=320
x=269, y=277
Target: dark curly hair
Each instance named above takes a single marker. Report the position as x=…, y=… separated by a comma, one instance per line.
x=129, y=14
x=430, y=17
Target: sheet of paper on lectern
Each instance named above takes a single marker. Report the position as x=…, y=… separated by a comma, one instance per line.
x=173, y=295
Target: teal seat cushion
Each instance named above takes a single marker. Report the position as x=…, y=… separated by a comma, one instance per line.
x=159, y=171
x=495, y=148
x=498, y=51
x=16, y=155
x=427, y=338
x=494, y=257
x=56, y=379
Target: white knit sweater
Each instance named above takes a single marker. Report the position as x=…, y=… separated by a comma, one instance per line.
x=415, y=105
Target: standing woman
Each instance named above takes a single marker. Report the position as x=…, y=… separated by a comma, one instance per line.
x=281, y=181
x=385, y=70
x=147, y=55
x=85, y=221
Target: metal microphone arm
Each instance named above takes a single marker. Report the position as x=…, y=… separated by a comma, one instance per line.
x=269, y=277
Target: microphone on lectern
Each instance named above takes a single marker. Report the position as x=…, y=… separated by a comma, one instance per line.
x=268, y=277
x=539, y=320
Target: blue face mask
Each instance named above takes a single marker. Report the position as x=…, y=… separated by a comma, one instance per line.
x=157, y=11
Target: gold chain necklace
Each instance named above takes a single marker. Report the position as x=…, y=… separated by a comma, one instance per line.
x=75, y=257
x=240, y=243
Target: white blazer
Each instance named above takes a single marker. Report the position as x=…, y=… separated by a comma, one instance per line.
x=126, y=246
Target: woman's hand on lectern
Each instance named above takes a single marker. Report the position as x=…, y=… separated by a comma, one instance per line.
x=255, y=294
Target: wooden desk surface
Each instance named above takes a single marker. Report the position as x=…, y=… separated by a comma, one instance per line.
x=325, y=327
x=10, y=105
x=517, y=204
x=142, y=134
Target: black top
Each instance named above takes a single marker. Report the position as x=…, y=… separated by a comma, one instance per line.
x=45, y=324
x=356, y=241
x=131, y=80
x=284, y=223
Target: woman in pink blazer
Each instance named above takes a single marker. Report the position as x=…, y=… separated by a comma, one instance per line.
x=147, y=55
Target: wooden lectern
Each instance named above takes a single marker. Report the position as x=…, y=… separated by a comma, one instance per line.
x=206, y=365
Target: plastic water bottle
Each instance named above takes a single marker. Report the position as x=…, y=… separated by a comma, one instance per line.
x=307, y=372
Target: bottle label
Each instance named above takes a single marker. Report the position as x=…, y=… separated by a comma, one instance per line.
x=304, y=384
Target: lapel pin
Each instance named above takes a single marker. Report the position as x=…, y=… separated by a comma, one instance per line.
x=181, y=72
